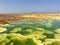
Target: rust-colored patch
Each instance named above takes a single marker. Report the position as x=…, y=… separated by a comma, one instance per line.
x=3, y=22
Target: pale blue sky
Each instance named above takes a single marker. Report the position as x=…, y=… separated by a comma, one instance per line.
x=26, y=6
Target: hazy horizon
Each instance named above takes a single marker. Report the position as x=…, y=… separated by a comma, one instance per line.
x=29, y=6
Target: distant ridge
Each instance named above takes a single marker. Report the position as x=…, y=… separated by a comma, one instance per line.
x=39, y=12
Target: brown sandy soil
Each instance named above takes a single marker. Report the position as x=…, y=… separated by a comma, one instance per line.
x=7, y=17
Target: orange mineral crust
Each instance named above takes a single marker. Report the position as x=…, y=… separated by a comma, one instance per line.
x=9, y=17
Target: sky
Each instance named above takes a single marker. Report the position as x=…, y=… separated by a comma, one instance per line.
x=28, y=6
